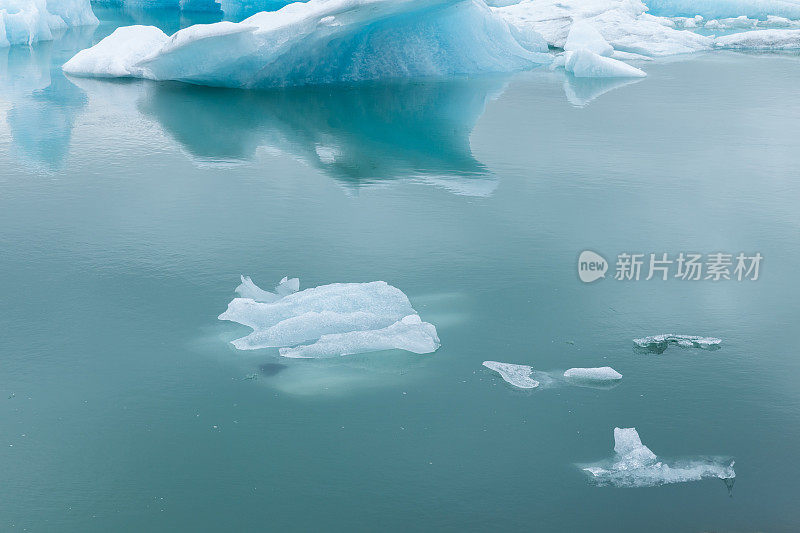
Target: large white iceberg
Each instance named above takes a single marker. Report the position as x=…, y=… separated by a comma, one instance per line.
x=30, y=21
x=635, y=465
x=326, y=41
x=342, y=319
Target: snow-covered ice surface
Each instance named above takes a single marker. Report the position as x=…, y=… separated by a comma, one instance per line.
x=761, y=40
x=327, y=41
x=624, y=24
x=635, y=465
x=517, y=375
x=659, y=343
x=602, y=374
x=343, y=319
x=30, y=21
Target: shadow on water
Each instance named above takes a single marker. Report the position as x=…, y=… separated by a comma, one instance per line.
x=358, y=134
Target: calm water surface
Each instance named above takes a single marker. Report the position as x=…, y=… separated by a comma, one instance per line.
x=129, y=209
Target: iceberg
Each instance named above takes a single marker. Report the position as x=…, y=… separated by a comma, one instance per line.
x=30, y=21
x=635, y=465
x=761, y=40
x=659, y=343
x=602, y=374
x=586, y=64
x=517, y=375
x=343, y=319
x=325, y=41
x=624, y=24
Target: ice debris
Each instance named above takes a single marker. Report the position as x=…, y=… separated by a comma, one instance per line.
x=30, y=21
x=324, y=41
x=635, y=465
x=592, y=375
x=342, y=319
x=516, y=375
x=659, y=343
x=726, y=8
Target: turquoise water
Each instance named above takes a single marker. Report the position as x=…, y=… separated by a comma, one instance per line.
x=128, y=210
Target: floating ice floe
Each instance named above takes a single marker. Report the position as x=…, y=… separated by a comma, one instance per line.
x=343, y=319
x=635, y=465
x=325, y=41
x=517, y=375
x=30, y=21
x=761, y=40
x=604, y=374
x=659, y=343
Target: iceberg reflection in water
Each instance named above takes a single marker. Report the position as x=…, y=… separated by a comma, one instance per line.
x=358, y=134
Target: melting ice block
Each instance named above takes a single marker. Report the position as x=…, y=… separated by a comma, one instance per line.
x=586, y=64
x=761, y=40
x=635, y=465
x=329, y=41
x=517, y=375
x=592, y=375
x=343, y=318
x=659, y=343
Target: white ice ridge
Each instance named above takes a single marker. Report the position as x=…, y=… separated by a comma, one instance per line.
x=343, y=318
x=30, y=21
x=592, y=375
x=322, y=41
x=660, y=342
x=517, y=375
x=624, y=24
x=761, y=40
x=635, y=465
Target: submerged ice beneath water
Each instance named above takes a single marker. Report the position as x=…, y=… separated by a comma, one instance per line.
x=635, y=465
x=343, y=319
x=659, y=343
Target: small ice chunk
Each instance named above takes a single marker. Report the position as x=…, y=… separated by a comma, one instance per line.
x=584, y=36
x=600, y=374
x=635, y=465
x=517, y=375
x=116, y=55
x=761, y=40
x=248, y=289
x=585, y=64
x=659, y=343
x=410, y=334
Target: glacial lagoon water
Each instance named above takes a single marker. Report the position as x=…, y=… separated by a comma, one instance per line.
x=128, y=210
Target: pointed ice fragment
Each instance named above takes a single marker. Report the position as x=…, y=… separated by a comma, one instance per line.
x=517, y=375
